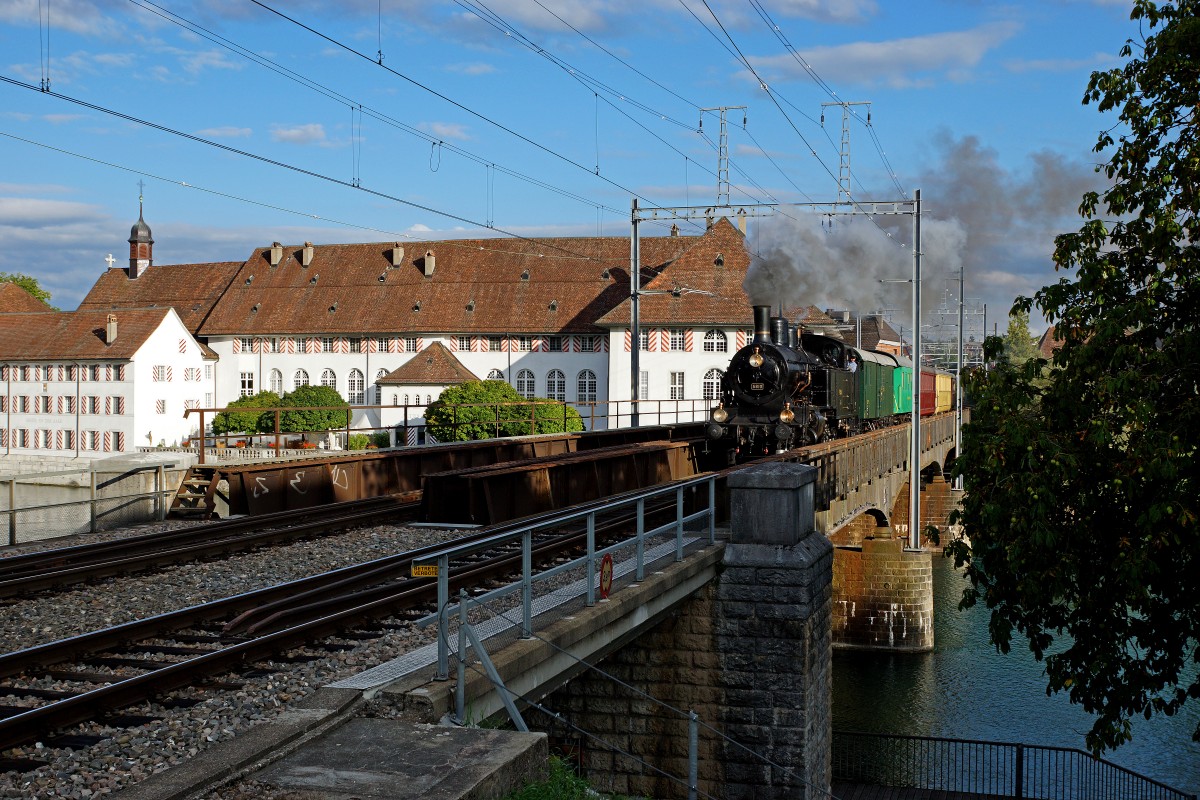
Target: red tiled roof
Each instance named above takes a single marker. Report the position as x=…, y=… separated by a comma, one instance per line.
x=1048, y=343
x=67, y=335
x=701, y=286
x=433, y=366
x=15, y=298
x=517, y=286
x=191, y=289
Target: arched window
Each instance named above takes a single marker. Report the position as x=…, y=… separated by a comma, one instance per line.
x=525, y=383
x=405, y=399
x=355, y=389
x=495, y=375
x=715, y=342
x=300, y=379
x=276, y=381
x=428, y=399
x=556, y=385
x=712, y=382
x=329, y=379
x=378, y=388
x=585, y=389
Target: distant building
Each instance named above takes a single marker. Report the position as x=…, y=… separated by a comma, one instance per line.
x=90, y=382
x=1049, y=342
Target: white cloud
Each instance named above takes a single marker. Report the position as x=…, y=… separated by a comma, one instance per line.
x=828, y=10
x=197, y=62
x=31, y=213
x=476, y=68
x=225, y=132
x=312, y=133
x=77, y=16
x=59, y=119
x=1094, y=62
x=445, y=130
x=899, y=63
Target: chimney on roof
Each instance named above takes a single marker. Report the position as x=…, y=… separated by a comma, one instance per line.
x=306, y=254
x=110, y=329
x=276, y=254
x=428, y=264
x=397, y=254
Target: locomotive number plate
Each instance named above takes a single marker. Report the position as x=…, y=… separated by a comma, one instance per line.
x=757, y=387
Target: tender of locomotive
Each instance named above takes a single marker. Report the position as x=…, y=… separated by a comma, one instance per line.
x=786, y=389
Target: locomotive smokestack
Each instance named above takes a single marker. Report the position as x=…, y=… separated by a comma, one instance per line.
x=794, y=337
x=779, y=334
x=762, y=324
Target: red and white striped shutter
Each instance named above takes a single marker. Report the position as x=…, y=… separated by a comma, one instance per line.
x=108, y=405
x=3, y=437
x=628, y=341
x=478, y=344
x=687, y=341
x=601, y=344
x=664, y=340
x=183, y=345
x=420, y=345
x=120, y=405
x=168, y=372
x=539, y=344
x=394, y=344
x=108, y=372
x=25, y=434
x=372, y=345
x=508, y=345
x=58, y=439
x=58, y=404
x=121, y=440
x=741, y=339
x=237, y=344
x=453, y=344
x=108, y=441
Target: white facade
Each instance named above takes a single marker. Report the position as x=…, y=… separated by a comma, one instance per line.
x=85, y=407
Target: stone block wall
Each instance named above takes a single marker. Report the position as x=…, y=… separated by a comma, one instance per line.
x=677, y=663
x=883, y=597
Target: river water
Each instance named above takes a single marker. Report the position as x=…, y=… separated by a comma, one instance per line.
x=964, y=689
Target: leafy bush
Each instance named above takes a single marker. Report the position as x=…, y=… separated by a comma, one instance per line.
x=331, y=410
x=483, y=409
x=357, y=441
x=381, y=439
x=248, y=421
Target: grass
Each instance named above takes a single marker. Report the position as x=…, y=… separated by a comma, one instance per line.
x=561, y=784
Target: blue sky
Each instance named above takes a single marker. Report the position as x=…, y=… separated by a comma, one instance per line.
x=545, y=117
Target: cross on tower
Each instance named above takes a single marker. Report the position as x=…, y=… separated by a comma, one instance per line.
x=110, y=260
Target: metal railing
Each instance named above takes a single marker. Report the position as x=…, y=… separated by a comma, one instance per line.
x=102, y=509
x=441, y=562
x=500, y=419
x=999, y=769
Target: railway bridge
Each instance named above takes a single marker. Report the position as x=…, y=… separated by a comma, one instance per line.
x=713, y=643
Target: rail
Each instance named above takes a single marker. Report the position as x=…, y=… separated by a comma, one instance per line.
x=994, y=769
x=159, y=496
x=439, y=563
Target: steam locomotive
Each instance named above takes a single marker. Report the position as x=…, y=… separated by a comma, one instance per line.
x=788, y=389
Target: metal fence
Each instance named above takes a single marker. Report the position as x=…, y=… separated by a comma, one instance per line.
x=43, y=505
x=998, y=769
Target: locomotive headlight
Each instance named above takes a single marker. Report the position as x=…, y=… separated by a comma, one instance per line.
x=756, y=359
x=787, y=415
x=720, y=414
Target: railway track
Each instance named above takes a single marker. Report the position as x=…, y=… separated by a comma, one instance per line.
x=99, y=672
x=69, y=566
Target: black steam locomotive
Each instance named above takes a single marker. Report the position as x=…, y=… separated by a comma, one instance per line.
x=786, y=389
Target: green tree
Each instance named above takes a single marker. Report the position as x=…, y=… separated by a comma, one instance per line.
x=1019, y=344
x=331, y=410
x=483, y=409
x=231, y=421
x=1081, y=492
x=29, y=284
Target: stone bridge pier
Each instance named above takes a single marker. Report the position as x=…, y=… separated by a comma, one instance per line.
x=750, y=653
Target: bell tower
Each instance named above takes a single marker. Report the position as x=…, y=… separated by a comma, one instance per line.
x=141, y=243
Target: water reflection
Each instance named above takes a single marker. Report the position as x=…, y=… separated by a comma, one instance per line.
x=964, y=689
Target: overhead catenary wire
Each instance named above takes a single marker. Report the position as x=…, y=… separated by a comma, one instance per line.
x=466, y=109
x=436, y=144
x=770, y=94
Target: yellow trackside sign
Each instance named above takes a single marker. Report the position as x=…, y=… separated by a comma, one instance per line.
x=424, y=570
